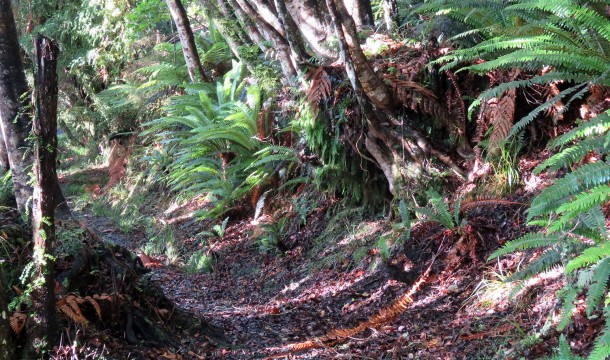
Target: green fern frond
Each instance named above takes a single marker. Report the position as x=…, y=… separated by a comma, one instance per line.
x=569, y=297
x=588, y=257
x=598, y=287
x=596, y=126
x=528, y=241
x=547, y=261
x=564, y=352
x=576, y=153
x=601, y=350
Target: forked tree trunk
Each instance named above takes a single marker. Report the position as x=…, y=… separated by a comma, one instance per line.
x=42, y=327
x=187, y=40
x=378, y=92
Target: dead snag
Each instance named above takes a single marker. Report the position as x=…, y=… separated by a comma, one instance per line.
x=42, y=327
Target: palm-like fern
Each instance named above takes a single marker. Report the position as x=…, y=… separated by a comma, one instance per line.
x=211, y=134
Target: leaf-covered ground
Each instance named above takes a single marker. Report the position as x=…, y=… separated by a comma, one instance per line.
x=331, y=276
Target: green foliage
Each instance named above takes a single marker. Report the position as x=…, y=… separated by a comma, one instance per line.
x=201, y=261
x=439, y=211
x=6, y=189
x=570, y=38
x=273, y=234
x=564, y=352
x=341, y=171
x=203, y=129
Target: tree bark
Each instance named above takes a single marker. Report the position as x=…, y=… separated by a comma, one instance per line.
x=4, y=165
x=390, y=10
x=284, y=53
x=14, y=105
x=187, y=40
x=313, y=21
x=291, y=32
x=15, y=114
x=42, y=329
x=378, y=92
x=362, y=12
x=7, y=349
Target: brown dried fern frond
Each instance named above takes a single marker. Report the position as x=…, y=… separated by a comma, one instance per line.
x=384, y=316
x=95, y=304
x=17, y=321
x=501, y=112
x=70, y=305
x=320, y=88
x=416, y=97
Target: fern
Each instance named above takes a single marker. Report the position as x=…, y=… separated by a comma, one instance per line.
x=564, y=352
x=598, y=285
x=528, y=241
x=568, y=297
x=601, y=350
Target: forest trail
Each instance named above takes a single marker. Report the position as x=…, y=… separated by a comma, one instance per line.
x=266, y=302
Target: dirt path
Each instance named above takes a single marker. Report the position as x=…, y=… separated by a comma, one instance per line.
x=265, y=301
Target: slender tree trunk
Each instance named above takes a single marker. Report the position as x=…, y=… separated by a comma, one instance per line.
x=187, y=39
x=291, y=32
x=249, y=25
x=7, y=348
x=284, y=54
x=390, y=10
x=42, y=327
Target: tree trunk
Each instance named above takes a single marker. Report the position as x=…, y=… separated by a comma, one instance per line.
x=291, y=32
x=362, y=12
x=7, y=349
x=390, y=10
x=252, y=30
x=15, y=114
x=378, y=92
x=4, y=166
x=226, y=23
x=312, y=19
x=284, y=53
x=14, y=101
x=187, y=40
x=42, y=329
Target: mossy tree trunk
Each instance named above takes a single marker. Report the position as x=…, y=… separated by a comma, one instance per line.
x=42, y=325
